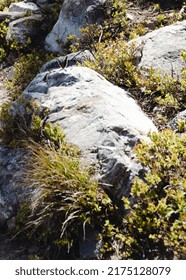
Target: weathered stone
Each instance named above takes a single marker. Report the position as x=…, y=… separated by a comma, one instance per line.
x=21, y=29
x=161, y=48
x=100, y=118
x=9, y=175
x=89, y=247
x=68, y=60
x=11, y=15
x=42, y=2
x=74, y=15
x=23, y=7
x=45, y=3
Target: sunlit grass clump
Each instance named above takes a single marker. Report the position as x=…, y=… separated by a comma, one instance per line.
x=66, y=199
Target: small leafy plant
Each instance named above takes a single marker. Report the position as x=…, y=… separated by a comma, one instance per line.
x=25, y=123
x=154, y=223
x=6, y=3
x=154, y=89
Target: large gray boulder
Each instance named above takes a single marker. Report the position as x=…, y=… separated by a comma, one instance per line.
x=161, y=48
x=22, y=29
x=19, y=10
x=98, y=117
x=5, y=15
x=74, y=15
x=24, y=6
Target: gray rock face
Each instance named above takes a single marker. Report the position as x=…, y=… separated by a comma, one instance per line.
x=100, y=118
x=161, y=48
x=10, y=164
x=18, y=10
x=45, y=3
x=22, y=26
x=23, y=7
x=68, y=60
x=42, y=2
x=73, y=16
x=22, y=29
x=11, y=15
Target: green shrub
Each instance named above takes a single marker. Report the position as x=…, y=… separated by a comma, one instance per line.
x=3, y=43
x=154, y=224
x=6, y=3
x=23, y=125
x=116, y=25
x=108, y=29
x=10, y=50
x=117, y=63
x=29, y=64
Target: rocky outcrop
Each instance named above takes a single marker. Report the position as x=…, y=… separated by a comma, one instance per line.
x=161, y=48
x=23, y=7
x=25, y=21
x=74, y=15
x=68, y=60
x=25, y=28
x=10, y=166
x=11, y=15
x=100, y=118
x=19, y=10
